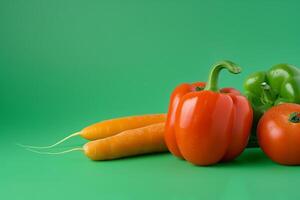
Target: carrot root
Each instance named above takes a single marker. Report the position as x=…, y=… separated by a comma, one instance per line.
x=55, y=153
x=50, y=146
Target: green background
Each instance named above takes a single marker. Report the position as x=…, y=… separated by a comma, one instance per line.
x=65, y=64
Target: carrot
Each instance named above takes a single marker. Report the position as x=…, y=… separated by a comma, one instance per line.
x=110, y=127
x=148, y=139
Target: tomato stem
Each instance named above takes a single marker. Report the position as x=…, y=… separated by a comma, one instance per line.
x=294, y=117
x=212, y=83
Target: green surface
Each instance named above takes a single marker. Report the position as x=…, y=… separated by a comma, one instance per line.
x=66, y=64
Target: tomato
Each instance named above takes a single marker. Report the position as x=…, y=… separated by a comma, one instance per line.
x=279, y=133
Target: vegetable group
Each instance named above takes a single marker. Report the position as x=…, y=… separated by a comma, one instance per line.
x=280, y=84
x=279, y=133
x=205, y=126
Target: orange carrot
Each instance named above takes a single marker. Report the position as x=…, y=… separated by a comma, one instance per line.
x=148, y=139
x=111, y=127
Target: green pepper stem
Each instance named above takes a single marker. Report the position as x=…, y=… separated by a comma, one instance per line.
x=267, y=94
x=294, y=117
x=212, y=83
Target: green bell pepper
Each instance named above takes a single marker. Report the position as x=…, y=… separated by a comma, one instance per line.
x=280, y=84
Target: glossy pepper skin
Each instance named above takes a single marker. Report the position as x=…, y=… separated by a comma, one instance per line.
x=280, y=84
x=204, y=125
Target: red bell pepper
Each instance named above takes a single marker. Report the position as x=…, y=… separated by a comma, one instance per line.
x=204, y=125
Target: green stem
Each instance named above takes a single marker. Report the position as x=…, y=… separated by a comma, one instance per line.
x=267, y=94
x=212, y=83
x=199, y=88
x=294, y=117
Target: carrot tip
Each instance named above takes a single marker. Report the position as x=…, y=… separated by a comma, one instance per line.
x=55, y=153
x=50, y=146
